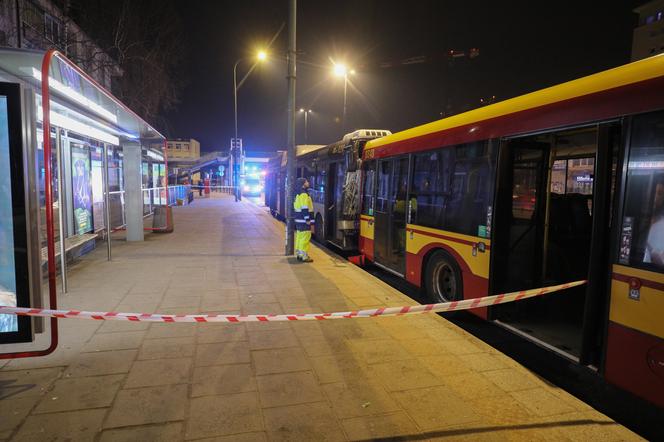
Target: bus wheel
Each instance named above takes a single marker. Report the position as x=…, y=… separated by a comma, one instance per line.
x=443, y=278
x=319, y=230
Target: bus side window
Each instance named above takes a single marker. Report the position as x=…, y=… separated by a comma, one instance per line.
x=642, y=231
x=472, y=189
x=368, y=188
x=430, y=187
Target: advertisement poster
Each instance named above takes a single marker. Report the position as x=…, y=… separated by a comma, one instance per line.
x=162, y=183
x=8, y=323
x=97, y=187
x=81, y=189
x=626, y=240
x=97, y=176
x=145, y=182
x=155, y=183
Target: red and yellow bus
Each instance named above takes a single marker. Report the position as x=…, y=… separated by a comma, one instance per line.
x=561, y=184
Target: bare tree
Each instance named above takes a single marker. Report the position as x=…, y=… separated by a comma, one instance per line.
x=144, y=38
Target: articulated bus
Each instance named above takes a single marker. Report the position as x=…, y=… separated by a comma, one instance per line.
x=562, y=184
x=334, y=174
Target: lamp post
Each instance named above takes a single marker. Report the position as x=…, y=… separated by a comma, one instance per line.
x=236, y=150
x=306, y=114
x=340, y=70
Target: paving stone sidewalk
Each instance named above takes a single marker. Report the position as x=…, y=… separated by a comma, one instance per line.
x=409, y=378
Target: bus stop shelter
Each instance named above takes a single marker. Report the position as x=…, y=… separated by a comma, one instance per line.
x=78, y=152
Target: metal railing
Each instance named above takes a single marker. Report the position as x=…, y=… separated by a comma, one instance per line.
x=155, y=196
x=213, y=189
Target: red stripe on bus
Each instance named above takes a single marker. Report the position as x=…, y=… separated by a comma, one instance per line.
x=644, y=282
x=448, y=238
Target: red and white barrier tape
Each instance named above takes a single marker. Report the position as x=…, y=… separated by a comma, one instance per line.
x=383, y=311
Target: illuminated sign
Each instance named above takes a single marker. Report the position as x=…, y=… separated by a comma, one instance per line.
x=584, y=179
x=646, y=164
x=14, y=264
x=81, y=188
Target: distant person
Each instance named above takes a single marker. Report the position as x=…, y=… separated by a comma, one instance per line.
x=200, y=187
x=303, y=206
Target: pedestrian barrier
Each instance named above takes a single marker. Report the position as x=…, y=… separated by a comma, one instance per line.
x=383, y=311
x=222, y=189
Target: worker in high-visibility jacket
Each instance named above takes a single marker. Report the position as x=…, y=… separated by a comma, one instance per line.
x=304, y=221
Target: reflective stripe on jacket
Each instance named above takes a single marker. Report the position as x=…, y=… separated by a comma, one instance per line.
x=303, y=206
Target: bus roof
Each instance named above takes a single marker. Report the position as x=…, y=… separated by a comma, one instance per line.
x=604, y=95
x=302, y=149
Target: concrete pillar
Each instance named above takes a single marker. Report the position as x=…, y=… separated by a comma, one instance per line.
x=131, y=167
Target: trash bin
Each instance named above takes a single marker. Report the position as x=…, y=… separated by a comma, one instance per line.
x=163, y=219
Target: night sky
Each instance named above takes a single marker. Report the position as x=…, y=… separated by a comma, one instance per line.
x=523, y=46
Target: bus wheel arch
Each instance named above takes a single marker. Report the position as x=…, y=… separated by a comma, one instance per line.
x=442, y=277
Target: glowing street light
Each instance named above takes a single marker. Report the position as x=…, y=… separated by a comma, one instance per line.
x=306, y=113
x=340, y=70
x=236, y=157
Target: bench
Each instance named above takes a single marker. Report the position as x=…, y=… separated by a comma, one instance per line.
x=71, y=243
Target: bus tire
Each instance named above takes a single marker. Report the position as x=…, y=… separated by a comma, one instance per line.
x=442, y=278
x=319, y=229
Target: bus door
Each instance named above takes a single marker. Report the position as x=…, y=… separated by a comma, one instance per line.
x=551, y=225
x=331, y=202
x=390, y=214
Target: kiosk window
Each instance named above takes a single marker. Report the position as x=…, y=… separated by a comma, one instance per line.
x=642, y=233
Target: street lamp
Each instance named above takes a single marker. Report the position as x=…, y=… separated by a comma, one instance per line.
x=340, y=70
x=306, y=113
x=260, y=56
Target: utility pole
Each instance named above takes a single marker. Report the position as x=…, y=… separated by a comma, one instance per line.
x=290, y=158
